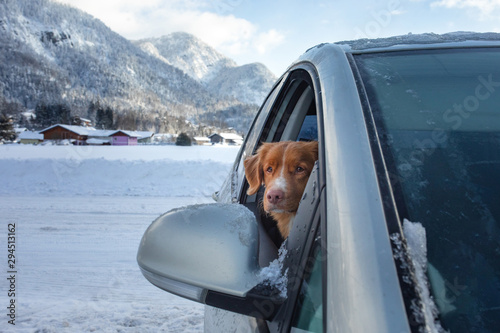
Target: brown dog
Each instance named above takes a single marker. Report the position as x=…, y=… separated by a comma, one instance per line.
x=283, y=168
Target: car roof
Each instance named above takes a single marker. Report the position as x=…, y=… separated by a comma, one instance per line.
x=413, y=42
x=320, y=54
x=417, y=41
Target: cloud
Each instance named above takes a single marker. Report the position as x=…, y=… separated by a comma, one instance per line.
x=268, y=40
x=486, y=7
x=212, y=28
x=153, y=18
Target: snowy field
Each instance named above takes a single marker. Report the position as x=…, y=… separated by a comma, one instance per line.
x=79, y=214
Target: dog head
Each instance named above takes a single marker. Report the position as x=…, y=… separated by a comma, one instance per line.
x=283, y=168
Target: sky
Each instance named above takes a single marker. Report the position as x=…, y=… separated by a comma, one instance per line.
x=276, y=32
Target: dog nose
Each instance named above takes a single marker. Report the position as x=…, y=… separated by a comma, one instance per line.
x=275, y=196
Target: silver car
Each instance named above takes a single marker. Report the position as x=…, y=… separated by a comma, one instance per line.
x=398, y=228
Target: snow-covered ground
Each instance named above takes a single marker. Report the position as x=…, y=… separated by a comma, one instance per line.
x=79, y=214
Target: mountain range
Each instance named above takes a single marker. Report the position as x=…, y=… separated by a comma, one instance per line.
x=52, y=53
x=248, y=83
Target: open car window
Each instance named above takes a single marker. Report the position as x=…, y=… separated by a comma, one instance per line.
x=292, y=116
x=289, y=114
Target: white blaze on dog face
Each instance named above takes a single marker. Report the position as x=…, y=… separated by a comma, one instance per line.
x=281, y=182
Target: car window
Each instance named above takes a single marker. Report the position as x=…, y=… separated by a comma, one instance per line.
x=437, y=115
x=308, y=315
x=292, y=116
x=289, y=114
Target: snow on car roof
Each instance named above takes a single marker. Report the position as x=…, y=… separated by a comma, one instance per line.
x=418, y=39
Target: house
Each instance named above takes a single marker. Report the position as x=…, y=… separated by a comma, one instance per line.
x=29, y=137
x=145, y=136
x=128, y=138
x=124, y=138
x=226, y=138
x=215, y=138
x=202, y=141
x=232, y=138
x=82, y=135
x=77, y=135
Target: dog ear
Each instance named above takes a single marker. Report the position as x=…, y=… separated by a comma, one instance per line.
x=313, y=146
x=253, y=168
x=253, y=172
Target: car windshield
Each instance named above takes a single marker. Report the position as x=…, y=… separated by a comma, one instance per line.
x=438, y=119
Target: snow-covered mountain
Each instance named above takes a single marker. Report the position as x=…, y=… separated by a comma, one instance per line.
x=248, y=83
x=54, y=53
x=188, y=53
x=221, y=75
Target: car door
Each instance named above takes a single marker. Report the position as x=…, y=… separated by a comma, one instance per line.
x=289, y=113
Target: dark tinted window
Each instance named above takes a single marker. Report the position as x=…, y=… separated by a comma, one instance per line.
x=438, y=117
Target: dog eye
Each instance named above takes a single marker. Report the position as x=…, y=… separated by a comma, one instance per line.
x=269, y=169
x=299, y=170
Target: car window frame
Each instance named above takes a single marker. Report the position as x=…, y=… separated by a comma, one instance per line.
x=388, y=189
x=251, y=143
x=285, y=316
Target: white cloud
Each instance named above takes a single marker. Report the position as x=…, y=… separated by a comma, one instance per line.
x=268, y=40
x=486, y=7
x=213, y=29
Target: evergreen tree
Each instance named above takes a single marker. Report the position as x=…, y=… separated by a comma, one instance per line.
x=7, y=128
x=104, y=118
x=62, y=114
x=108, y=118
x=126, y=120
x=42, y=116
x=183, y=140
x=99, y=117
x=48, y=115
x=91, y=111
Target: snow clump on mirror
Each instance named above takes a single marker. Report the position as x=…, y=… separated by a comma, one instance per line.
x=242, y=217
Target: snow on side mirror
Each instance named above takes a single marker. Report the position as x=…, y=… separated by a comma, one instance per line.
x=207, y=253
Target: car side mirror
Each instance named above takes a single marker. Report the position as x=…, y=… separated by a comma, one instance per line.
x=208, y=253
